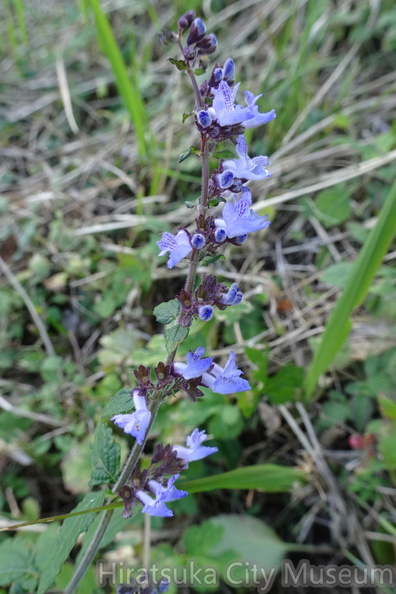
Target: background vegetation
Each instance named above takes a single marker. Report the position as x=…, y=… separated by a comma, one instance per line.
x=90, y=142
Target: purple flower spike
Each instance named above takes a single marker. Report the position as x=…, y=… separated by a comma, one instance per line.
x=194, y=450
x=239, y=219
x=196, y=366
x=205, y=312
x=245, y=167
x=179, y=246
x=227, y=380
x=135, y=424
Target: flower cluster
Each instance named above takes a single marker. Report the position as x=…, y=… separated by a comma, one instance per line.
x=220, y=118
x=154, y=487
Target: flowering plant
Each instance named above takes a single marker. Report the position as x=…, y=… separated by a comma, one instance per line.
x=218, y=118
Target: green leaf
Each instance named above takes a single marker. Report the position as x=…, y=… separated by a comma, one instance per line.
x=187, y=115
x=212, y=259
x=180, y=64
x=363, y=272
x=121, y=403
x=241, y=539
x=216, y=201
x=333, y=205
x=387, y=407
x=67, y=538
x=270, y=478
x=226, y=154
x=338, y=274
x=105, y=457
x=167, y=312
x=190, y=204
x=174, y=336
x=284, y=385
x=16, y=564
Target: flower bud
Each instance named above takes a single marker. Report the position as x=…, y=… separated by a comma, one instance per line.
x=198, y=241
x=185, y=21
x=220, y=235
x=208, y=45
x=241, y=239
x=205, y=312
x=204, y=119
x=229, y=70
x=197, y=31
x=225, y=179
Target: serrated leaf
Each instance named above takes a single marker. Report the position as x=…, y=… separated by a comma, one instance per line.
x=105, y=457
x=167, y=311
x=67, y=538
x=121, y=403
x=174, y=336
x=16, y=564
x=223, y=155
x=271, y=478
x=212, y=259
x=180, y=64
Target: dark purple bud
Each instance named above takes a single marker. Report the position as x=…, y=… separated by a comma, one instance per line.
x=226, y=179
x=220, y=235
x=197, y=31
x=204, y=118
x=198, y=241
x=189, y=53
x=229, y=70
x=209, y=45
x=241, y=239
x=205, y=312
x=185, y=21
x=217, y=75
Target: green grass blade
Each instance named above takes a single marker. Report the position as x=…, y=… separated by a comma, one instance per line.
x=364, y=270
x=20, y=15
x=129, y=92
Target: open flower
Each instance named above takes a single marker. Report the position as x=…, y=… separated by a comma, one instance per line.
x=178, y=246
x=194, y=449
x=239, y=219
x=227, y=380
x=245, y=167
x=227, y=113
x=136, y=423
x=196, y=366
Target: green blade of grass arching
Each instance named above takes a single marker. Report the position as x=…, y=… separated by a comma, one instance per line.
x=363, y=272
x=129, y=92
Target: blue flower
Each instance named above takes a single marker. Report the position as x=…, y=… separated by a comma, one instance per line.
x=227, y=380
x=154, y=507
x=194, y=450
x=223, y=108
x=239, y=219
x=178, y=245
x=256, y=118
x=135, y=424
x=245, y=167
x=168, y=493
x=233, y=296
x=227, y=113
x=195, y=366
